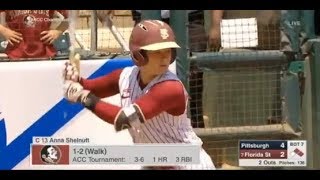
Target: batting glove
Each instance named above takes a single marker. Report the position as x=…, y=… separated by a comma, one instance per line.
x=74, y=92
x=70, y=72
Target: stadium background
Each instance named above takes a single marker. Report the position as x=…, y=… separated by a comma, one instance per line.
x=268, y=91
x=265, y=91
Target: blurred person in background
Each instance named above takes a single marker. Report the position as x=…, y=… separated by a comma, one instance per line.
x=103, y=14
x=31, y=33
x=136, y=16
x=267, y=24
x=214, y=34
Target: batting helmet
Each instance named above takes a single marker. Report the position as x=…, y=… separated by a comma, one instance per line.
x=151, y=35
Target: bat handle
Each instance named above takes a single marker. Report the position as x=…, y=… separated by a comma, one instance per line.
x=74, y=58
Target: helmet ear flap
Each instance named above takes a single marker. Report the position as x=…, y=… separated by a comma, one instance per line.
x=138, y=58
x=173, y=54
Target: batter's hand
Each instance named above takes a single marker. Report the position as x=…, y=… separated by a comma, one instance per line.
x=48, y=37
x=70, y=72
x=74, y=92
x=12, y=36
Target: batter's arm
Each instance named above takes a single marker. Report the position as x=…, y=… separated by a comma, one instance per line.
x=166, y=96
x=103, y=86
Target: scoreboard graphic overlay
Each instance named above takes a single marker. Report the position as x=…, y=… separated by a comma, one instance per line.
x=272, y=153
x=44, y=152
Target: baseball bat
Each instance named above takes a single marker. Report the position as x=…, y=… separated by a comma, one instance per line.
x=74, y=57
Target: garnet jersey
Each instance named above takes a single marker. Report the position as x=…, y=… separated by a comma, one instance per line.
x=30, y=23
x=163, y=128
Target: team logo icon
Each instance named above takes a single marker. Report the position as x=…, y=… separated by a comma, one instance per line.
x=50, y=154
x=164, y=33
x=29, y=21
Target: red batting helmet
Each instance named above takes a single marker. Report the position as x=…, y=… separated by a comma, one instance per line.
x=151, y=35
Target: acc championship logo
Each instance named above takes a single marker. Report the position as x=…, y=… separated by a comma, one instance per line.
x=50, y=154
x=29, y=21
x=4, y=45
